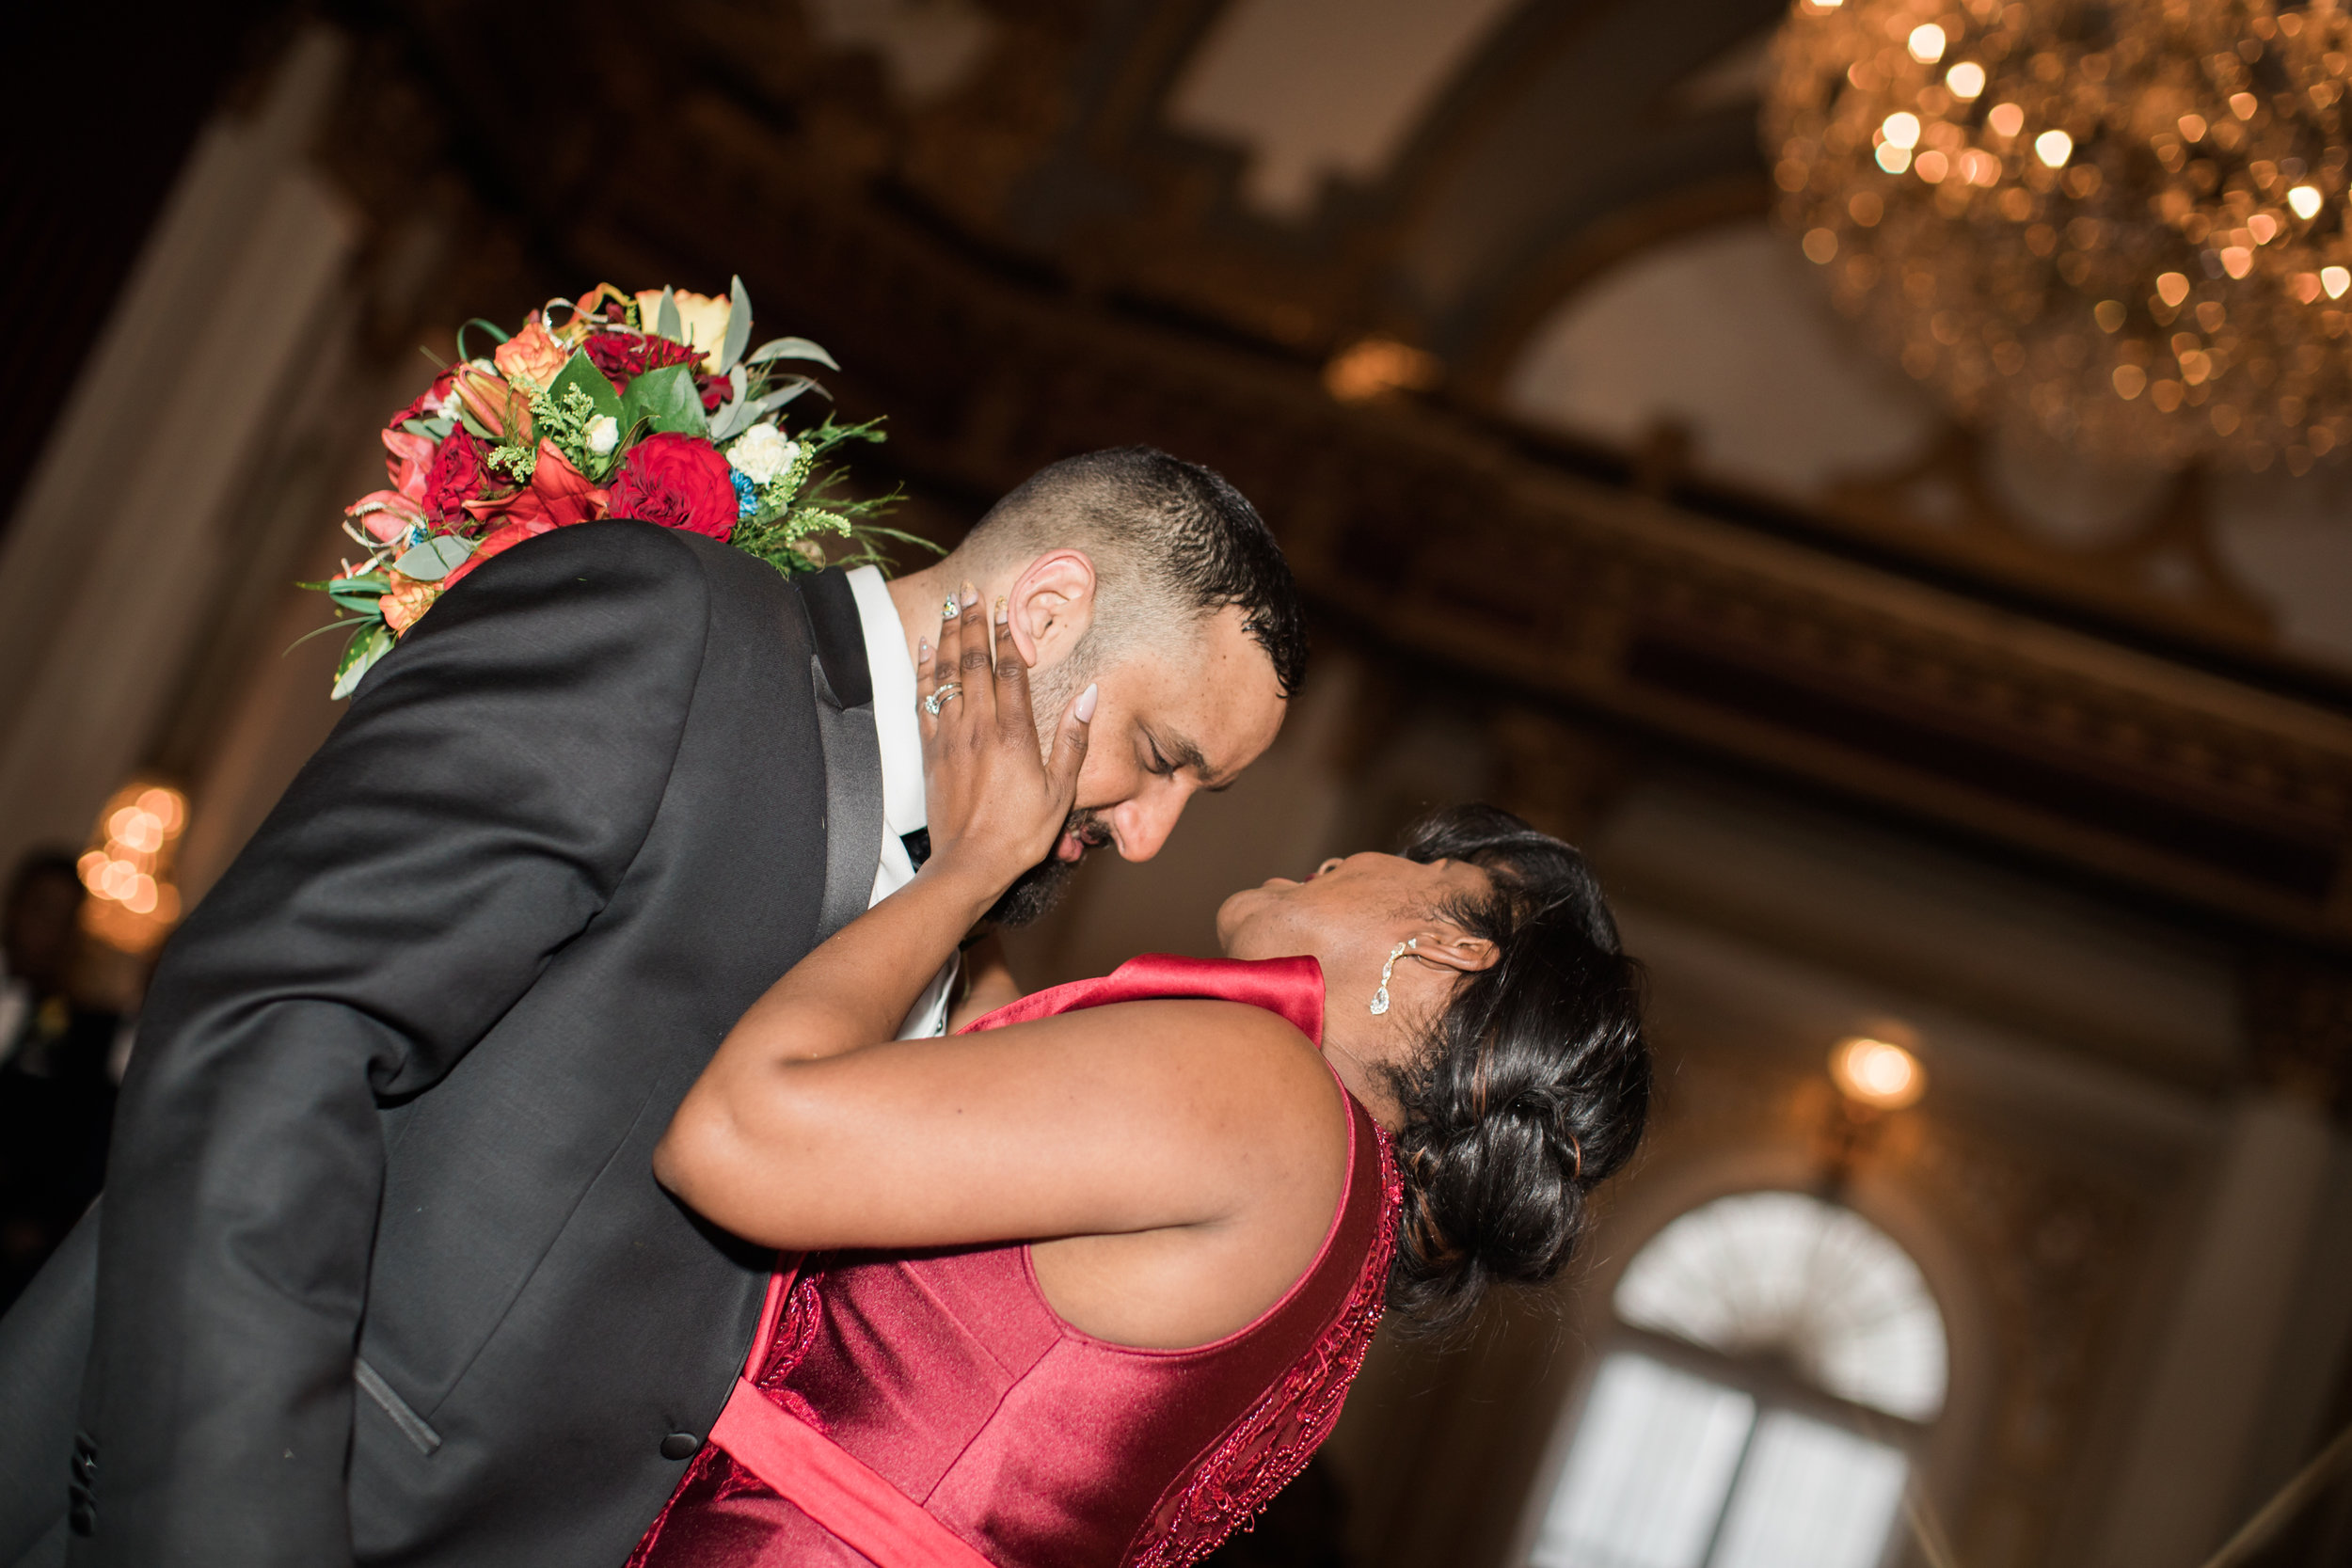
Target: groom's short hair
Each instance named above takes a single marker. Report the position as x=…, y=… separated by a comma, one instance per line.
x=1172, y=543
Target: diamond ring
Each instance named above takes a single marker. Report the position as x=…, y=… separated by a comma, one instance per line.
x=930, y=704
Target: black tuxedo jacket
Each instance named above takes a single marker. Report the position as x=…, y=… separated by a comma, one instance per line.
x=384, y=1274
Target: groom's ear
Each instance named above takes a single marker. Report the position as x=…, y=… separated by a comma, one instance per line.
x=1052, y=605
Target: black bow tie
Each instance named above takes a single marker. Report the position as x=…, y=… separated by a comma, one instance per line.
x=918, y=844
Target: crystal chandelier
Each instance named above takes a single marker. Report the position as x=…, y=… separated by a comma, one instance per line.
x=2121, y=221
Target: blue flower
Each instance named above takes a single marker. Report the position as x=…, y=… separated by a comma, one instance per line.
x=746, y=495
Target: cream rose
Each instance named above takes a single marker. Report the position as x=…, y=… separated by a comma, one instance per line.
x=763, y=454
x=702, y=320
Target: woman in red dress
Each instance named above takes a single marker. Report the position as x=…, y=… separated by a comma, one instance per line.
x=1084, y=1283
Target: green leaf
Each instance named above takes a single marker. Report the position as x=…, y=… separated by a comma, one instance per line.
x=791, y=348
x=434, y=559
x=580, y=372
x=432, y=430
x=491, y=326
x=738, y=328
x=367, y=645
x=666, y=399
x=733, y=413
x=667, y=323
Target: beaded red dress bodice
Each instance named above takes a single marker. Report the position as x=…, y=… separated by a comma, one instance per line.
x=947, y=1375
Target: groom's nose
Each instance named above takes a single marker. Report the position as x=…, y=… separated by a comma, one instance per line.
x=1141, y=824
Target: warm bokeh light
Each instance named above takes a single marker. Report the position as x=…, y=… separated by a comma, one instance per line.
x=2030, y=162
x=1877, y=1073
x=133, y=903
x=1376, y=366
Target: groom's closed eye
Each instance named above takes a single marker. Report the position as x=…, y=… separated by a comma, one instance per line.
x=1178, y=755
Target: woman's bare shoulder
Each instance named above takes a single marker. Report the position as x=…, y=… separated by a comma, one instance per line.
x=1241, y=1067
x=1194, y=1025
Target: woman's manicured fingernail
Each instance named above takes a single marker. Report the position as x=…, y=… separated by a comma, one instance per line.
x=971, y=595
x=922, y=650
x=1003, y=613
x=1085, y=705
x=948, y=611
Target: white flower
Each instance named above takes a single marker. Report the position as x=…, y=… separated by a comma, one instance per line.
x=762, y=454
x=604, y=434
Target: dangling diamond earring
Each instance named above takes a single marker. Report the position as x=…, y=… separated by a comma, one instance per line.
x=1380, y=997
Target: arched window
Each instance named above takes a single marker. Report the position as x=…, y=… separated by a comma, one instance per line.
x=1776, y=1360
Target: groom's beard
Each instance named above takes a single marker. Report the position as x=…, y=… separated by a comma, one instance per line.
x=1040, y=888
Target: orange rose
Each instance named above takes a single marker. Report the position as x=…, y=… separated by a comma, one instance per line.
x=530, y=357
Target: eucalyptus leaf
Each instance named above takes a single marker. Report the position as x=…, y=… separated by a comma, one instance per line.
x=783, y=395
x=729, y=419
x=434, y=559
x=432, y=430
x=791, y=348
x=667, y=400
x=366, y=646
x=739, y=327
x=667, y=322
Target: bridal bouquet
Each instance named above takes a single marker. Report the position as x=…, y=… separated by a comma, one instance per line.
x=643, y=405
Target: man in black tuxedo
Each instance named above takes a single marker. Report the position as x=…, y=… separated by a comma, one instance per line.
x=383, y=1274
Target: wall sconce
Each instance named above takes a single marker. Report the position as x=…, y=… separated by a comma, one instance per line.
x=1877, y=1073
x=1873, y=1076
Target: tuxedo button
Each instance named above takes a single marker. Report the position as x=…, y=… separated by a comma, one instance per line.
x=680, y=1444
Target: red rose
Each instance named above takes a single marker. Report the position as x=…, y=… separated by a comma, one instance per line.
x=455, y=478
x=622, y=357
x=714, y=390
x=677, y=481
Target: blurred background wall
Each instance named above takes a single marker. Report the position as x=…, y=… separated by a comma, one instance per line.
x=1878, y=726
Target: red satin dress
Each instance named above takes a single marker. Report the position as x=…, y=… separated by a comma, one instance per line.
x=930, y=1410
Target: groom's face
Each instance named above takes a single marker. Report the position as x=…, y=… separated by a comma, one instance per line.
x=1169, y=723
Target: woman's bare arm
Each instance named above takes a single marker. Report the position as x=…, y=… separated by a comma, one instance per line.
x=1138, y=1116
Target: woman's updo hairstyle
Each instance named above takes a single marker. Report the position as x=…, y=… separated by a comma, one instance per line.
x=1536, y=1082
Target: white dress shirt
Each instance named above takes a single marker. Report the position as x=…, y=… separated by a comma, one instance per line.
x=904, y=808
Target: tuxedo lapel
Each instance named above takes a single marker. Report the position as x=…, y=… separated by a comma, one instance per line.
x=845, y=727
